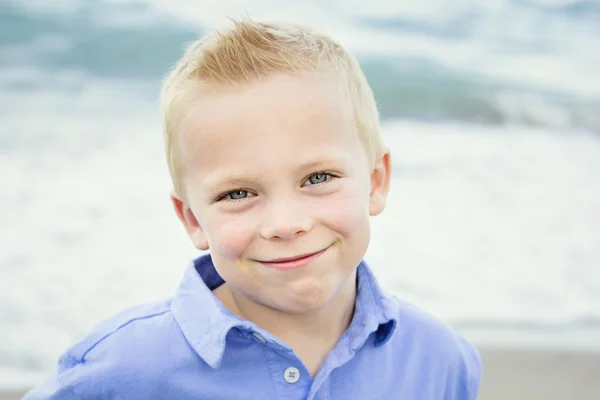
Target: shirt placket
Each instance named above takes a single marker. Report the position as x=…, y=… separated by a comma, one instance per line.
x=291, y=380
x=341, y=354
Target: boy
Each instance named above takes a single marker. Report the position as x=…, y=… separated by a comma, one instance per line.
x=272, y=139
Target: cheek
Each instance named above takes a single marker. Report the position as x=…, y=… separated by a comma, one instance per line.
x=230, y=235
x=348, y=211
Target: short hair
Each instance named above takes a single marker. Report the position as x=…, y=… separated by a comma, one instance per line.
x=251, y=51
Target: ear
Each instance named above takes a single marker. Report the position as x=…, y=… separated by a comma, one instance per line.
x=187, y=217
x=380, y=183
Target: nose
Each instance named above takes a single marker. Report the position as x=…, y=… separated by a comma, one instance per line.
x=285, y=219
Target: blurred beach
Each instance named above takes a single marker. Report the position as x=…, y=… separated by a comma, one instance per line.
x=490, y=111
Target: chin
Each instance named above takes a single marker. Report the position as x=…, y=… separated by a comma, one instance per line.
x=306, y=296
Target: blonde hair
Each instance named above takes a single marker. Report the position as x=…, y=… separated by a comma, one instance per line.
x=252, y=51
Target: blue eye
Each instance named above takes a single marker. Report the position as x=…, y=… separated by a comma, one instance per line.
x=319, y=177
x=237, y=195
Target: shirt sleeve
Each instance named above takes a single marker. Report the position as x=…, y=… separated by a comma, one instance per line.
x=62, y=384
x=50, y=389
x=473, y=375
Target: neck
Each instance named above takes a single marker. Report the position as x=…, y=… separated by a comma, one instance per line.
x=312, y=334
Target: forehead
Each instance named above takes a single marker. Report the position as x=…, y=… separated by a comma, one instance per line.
x=280, y=122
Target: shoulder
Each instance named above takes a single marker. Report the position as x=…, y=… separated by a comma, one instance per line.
x=134, y=326
x=123, y=354
x=438, y=345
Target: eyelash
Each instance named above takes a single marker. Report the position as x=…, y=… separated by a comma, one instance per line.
x=330, y=175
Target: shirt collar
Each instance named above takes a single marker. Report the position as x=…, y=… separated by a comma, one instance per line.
x=374, y=310
x=205, y=321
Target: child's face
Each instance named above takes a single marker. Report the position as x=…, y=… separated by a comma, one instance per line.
x=277, y=171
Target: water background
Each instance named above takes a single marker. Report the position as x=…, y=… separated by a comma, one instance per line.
x=491, y=110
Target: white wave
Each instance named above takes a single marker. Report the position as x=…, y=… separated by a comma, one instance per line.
x=504, y=40
x=521, y=107
x=493, y=224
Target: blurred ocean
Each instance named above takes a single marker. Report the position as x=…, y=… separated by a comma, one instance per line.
x=491, y=109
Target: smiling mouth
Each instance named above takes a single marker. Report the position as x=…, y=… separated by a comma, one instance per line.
x=287, y=263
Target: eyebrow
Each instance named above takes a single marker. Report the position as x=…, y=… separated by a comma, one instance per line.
x=236, y=180
x=317, y=164
x=218, y=181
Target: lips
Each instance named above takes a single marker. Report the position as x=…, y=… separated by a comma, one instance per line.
x=287, y=263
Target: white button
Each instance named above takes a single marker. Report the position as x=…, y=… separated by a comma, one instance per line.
x=291, y=375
